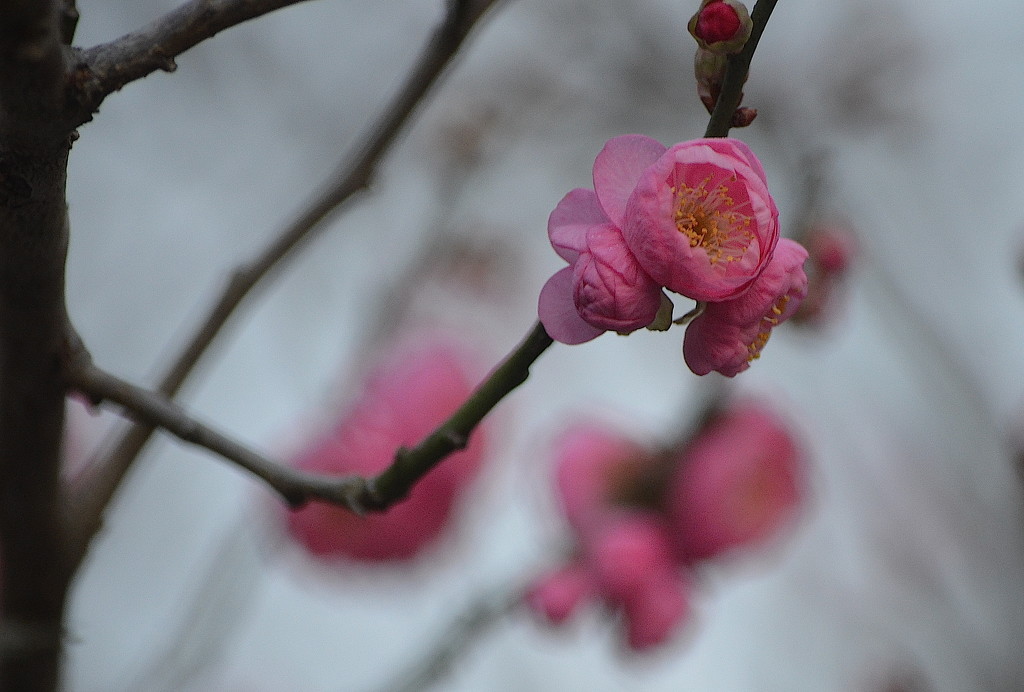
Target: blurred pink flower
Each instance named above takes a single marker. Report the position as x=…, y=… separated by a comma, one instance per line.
x=589, y=460
x=654, y=612
x=558, y=594
x=641, y=519
x=831, y=252
x=831, y=248
x=728, y=335
x=701, y=221
x=625, y=556
x=408, y=395
x=738, y=482
x=626, y=550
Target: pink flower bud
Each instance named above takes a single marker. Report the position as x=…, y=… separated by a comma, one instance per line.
x=655, y=612
x=737, y=484
x=721, y=26
x=831, y=249
x=717, y=21
x=413, y=391
x=557, y=595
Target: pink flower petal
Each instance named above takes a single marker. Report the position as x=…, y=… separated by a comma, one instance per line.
x=610, y=289
x=558, y=312
x=738, y=483
x=730, y=334
x=618, y=167
x=700, y=220
x=710, y=346
x=568, y=224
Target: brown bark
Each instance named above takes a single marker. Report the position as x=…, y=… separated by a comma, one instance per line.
x=33, y=242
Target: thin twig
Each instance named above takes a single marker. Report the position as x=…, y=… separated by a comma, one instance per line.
x=99, y=485
x=467, y=629
x=105, y=68
x=297, y=487
x=736, y=73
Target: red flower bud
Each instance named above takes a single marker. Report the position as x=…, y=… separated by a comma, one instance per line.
x=717, y=22
x=721, y=26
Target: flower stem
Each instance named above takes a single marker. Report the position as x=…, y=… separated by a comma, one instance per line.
x=736, y=73
x=412, y=464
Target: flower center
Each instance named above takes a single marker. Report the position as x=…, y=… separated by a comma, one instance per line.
x=708, y=216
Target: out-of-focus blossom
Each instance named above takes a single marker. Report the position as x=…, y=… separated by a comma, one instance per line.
x=737, y=483
x=408, y=395
x=589, y=459
x=831, y=251
x=701, y=221
x=721, y=26
x=655, y=611
x=558, y=594
x=641, y=519
x=728, y=335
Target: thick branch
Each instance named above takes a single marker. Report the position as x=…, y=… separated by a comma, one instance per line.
x=157, y=410
x=108, y=67
x=736, y=73
x=298, y=487
x=33, y=244
x=351, y=177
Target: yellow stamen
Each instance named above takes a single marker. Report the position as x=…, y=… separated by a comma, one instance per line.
x=767, y=322
x=708, y=217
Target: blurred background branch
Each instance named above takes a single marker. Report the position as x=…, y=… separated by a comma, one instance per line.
x=100, y=483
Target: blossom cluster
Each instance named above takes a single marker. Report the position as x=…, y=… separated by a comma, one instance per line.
x=645, y=521
x=415, y=388
x=696, y=219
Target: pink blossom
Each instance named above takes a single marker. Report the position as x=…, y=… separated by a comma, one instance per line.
x=832, y=251
x=701, y=221
x=625, y=555
x=408, y=395
x=604, y=287
x=737, y=483
x=728, y=335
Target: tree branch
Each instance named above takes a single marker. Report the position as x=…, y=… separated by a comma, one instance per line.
x=100, y=484
x=357, y=493
x=33, y=247
x=105, y=68
x=736, y=73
